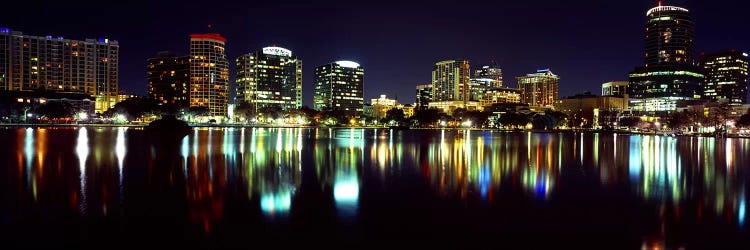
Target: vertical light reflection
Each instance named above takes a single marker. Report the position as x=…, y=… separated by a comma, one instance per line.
x=729, y=153
x=28, y=153
x=185, y=153
x=120, y=150
x=741, y=211
x=120, y=154
x=82, y=151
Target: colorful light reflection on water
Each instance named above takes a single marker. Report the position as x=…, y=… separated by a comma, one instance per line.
x=279, y=169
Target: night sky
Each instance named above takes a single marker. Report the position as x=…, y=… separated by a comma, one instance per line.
x=585, y=42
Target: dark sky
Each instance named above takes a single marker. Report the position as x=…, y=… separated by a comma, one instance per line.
x=585, y=42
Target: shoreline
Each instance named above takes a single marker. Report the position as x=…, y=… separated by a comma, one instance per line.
x=42, y=125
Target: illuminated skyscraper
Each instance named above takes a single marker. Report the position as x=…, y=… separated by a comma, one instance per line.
x=424, y=95
x=57, y=64
x=339, y=86
x=670, y=35
x=209, y=73
x=491, y=74
x=450, y=81
x=270, y=78
x=169, y=79
x=539, y=89
x=726, y=76
x=670, y=72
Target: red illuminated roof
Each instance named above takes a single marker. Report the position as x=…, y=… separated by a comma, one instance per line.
x=214, y=36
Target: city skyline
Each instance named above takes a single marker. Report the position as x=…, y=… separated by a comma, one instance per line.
x=577, y=53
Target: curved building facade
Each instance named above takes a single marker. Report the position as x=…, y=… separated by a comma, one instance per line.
x=671, y=72
x=670, y=36
x=209, y=73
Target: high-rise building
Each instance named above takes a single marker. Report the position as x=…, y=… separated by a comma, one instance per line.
x=615, y=88
x=169, y=79
x=339, y=86
x=670, y=34
x=209, y=73
x=60, y=65
x=726, y=76
x=491, y=74
x=424, y=95
x=270, y=78
x=670, y=71
x=539, y=89
x=450, y=81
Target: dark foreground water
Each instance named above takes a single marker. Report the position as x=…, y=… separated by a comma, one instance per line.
x=267, y=188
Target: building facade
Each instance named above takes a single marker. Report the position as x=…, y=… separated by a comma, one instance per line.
x=90, y=67
x=209, y=73
x=726, y=76
x=270, y=78
x=424, y=95
x=615, y=88
x=500, y=96
x=539, y=89
x=450, y=81
x=168, y=78
x=380, y=106
x=670, y=36
x=490, y=73
x=339, y=86
x=670, y=70
x=597, y=110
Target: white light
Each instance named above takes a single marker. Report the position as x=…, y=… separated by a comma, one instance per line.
x=346, y=190
x=278, y=51
x=666, y=8
x=121, y=117
x=83, y=116
x=348, y=64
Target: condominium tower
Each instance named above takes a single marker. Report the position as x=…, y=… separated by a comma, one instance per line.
x=56, y=64
x=209, y=73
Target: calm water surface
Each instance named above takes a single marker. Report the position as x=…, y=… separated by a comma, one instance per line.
x=114, y=187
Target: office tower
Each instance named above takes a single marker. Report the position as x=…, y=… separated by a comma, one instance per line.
x=339, y=87
x=450, y=81
x=56, y=64
x=615, y=88
x=670, y=72
x=539, y=89
x=424, y=95
x=169, y=79
x=209, y=73
x=270, y=78
x=670, y=34
x=726, y=76
x=491, y=74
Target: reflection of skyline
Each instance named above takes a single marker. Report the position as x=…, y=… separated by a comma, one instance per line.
x=265, y=166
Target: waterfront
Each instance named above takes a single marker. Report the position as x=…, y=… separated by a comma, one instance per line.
x=111, y=187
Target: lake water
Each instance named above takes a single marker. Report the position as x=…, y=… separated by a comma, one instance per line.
x=252, y=187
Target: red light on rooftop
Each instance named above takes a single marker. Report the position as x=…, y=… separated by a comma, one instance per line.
x=213, y=36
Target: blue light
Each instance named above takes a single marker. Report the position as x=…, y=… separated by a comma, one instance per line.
x=48, y=37
x=4, y=30
x=542, y=70
x=484, y=182
x=741, y=212
x=102, y=40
